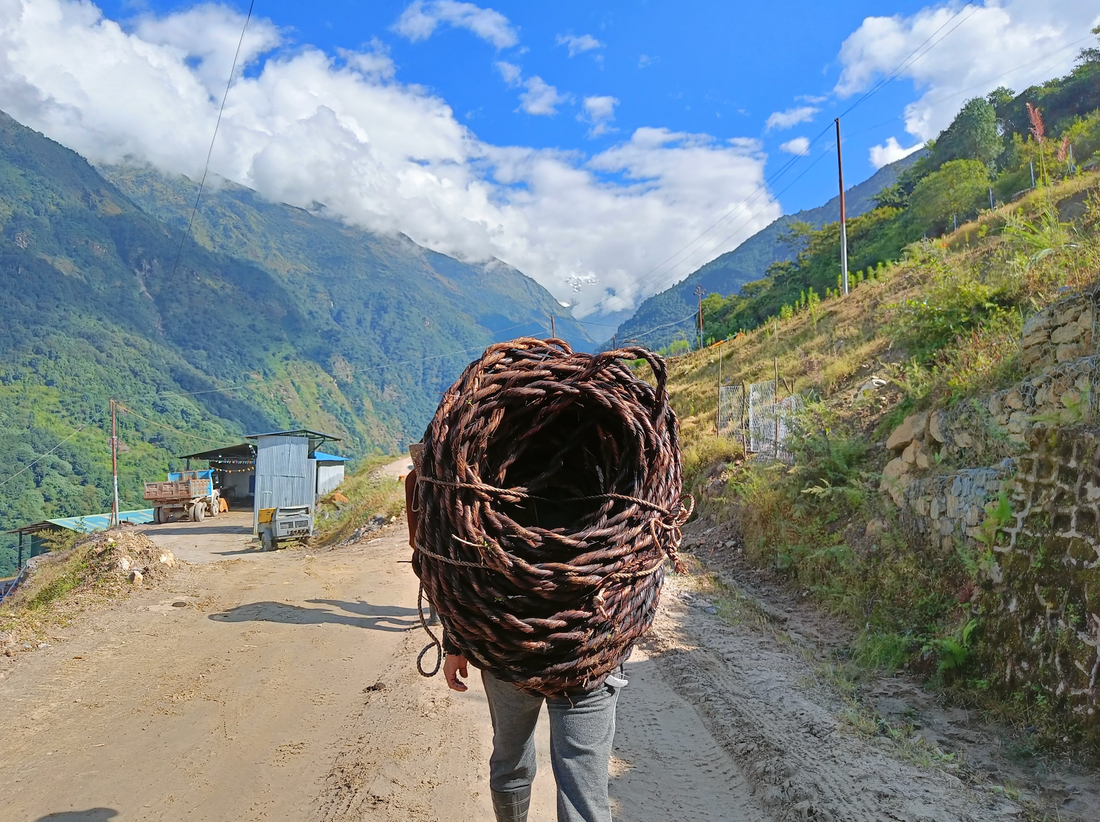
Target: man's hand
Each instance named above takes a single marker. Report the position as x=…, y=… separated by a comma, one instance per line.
x=453, y=667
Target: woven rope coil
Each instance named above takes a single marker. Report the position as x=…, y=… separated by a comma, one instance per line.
x=549, y=499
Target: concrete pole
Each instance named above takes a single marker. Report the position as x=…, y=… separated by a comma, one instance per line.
x=843, y=214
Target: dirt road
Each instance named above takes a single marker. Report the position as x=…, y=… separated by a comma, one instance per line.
x=282, y=686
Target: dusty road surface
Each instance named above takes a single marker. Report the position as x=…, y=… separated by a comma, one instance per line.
x=212, y=540
x=398, y=468
x=281, y=686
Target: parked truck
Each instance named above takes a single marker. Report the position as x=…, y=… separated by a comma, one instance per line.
x=186, y=493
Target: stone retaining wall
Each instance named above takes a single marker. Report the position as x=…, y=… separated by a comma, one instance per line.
x=1037, y=599
x=1039, y=607
x=1060, y=333
x=945, y=509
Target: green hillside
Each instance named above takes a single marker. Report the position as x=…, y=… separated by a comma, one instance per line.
x=749, y=261
x=274, y=317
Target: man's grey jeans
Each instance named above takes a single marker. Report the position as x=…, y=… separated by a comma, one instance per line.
x=582, y=730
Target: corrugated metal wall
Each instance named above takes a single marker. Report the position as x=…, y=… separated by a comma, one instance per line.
x=329, y=476
x=285, y=475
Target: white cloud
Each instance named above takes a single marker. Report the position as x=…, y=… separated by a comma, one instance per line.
x=799, y=146
x=1023, y=39
x=302, y=126
x=599, y=112
x=510, y=72
x=586, y=42
x=790, y=117
x=645, y=60
x=811, y=98
x=420, y=20
x=891, y=151
x=540, y=97
x=376, y=62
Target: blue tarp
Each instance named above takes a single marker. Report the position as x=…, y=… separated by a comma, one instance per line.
x=321, y=457
x=101, y=522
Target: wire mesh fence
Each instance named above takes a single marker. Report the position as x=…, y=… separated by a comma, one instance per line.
x=753, y=415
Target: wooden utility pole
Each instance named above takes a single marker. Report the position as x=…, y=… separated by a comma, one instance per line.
x=699, y=292
x=615, y=341
x=843, y=214
x=553, y=327
x=114, y=462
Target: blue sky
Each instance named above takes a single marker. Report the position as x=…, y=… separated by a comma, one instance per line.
x=706, y=67
x=607, y=149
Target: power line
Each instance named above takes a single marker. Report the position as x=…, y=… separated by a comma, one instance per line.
x=210, y=151
x=912, y=58
x=31, y=465
x=133, y=413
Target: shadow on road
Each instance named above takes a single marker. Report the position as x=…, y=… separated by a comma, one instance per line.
x=357, y=614
x=90, y=815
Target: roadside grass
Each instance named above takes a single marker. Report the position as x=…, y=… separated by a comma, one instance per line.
x=77, y=572
x=369, y=494
x=940, y=327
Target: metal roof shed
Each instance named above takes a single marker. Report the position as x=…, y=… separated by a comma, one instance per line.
x=330, y=472
x=286, y=472
x=236, y=468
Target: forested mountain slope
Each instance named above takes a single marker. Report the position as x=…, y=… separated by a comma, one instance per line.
x=749, y=261
x=273, y=317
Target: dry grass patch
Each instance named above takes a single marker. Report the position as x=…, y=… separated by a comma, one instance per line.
x=75, y=575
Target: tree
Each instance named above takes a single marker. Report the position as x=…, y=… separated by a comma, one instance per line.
x=1000, y=96
x=957, y=189
x=796, y=235
x=972, y=135
x=1090, y=55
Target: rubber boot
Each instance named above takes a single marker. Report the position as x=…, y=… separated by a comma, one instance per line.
x=512, y=806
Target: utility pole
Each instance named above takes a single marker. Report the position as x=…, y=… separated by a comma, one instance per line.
x=114, y=462
x=776, y=406
x=719, y=426
x=699, y=292
x=553, y=327
x=843, y=214
x=615, y=341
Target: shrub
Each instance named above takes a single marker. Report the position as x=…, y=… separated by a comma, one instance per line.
x=956, y=302
x=958, y=189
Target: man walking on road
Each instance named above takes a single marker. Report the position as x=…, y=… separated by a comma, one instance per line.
x=582, y=727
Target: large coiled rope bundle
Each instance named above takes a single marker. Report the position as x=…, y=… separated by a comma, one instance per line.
x=548, y=500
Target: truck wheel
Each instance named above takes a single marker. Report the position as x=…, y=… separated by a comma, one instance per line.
x=213, y=507
x=198, y=512
x=266, y=542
